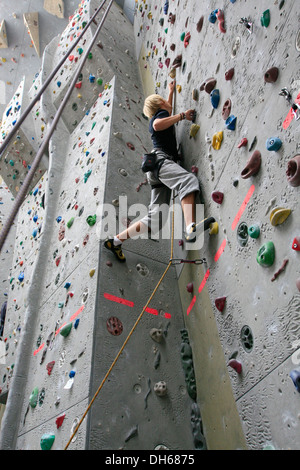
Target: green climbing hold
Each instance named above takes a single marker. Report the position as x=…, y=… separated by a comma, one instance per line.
x=254, y=231
x=47, y=441
x=266, y=254
x=100, y=81
x=65, y=330
x=182, y=36
x=70, y=223
x=265, y=18
x=91, y=220
x=33, y=399
x=11, y=162
x=86, y=175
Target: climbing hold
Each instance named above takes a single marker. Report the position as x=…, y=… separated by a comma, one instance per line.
x=190, y=287
x=178, y=88
x=236, y=365
x=160, y=388
x=280, y=270
x=220, y=18
x=166, y=7
x=253, y=165
x=293, y=171
x=271, y=75
x=295, y=376
x=226, y=109
x=33, y=399
x=229, y=74
x=214, y=228
x=47, y=441
x=208, y=85
x=265, y=18
x=157, y=334
x=273, y=144
x=254, y=231
x=66, y=329
x=187, y=40
x=50, y=366
x=217, y=140
x=298, y=284
x=70, y=223
x=91, y=220
x=296, y=244
x=218, y=197
x=177, y=61
x=195, y=95
x=220, y=303
x=200, y=24
x=59, y=420
x=114, y=326
x=243, y=143
x=215, y=98
x=266, y=254
x=194, y=130
x=242, y=234
x=230, y=123
x=279, y=215
x=213, y=16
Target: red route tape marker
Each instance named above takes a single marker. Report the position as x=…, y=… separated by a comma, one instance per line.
x=113, y=298
x=243, y=207
x=220, y=250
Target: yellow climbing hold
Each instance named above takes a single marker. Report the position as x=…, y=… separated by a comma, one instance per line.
x=217, y=140
x=194, y=130
x=279, y=215
x=214, y=228
x=178, y=88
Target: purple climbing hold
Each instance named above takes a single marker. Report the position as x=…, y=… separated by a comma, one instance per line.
x=190, y=287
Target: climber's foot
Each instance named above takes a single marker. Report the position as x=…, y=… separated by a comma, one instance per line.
x=204, y=225
x=116, y=250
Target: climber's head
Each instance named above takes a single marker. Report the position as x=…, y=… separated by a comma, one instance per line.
x=153, y=103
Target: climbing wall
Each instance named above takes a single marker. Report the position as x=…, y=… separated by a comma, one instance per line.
x=237, y=65
x=71, y=304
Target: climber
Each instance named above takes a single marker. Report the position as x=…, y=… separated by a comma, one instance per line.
x=167, y=175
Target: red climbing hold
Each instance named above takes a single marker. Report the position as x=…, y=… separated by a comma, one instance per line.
x=296, y=244
x=243, y=143
x=236, y=365
x=218, y=197
x=220, y=303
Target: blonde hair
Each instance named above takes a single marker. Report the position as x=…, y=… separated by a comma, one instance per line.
x=152, y=105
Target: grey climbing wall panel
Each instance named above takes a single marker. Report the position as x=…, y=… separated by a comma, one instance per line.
x=258, y=325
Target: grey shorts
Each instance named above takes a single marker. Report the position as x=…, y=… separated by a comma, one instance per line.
x=171, y=177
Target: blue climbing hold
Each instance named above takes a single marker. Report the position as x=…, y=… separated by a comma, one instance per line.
x=58, y=219
x=273, y=144
x=21, y=277
x=295, y=376
x=166, y=7
x=213, y=16
x=72, y=374
x=67, y=285
x=230, y=123
x=35, y=191
x=34, y=233
x=215, y=98
x=35, y=218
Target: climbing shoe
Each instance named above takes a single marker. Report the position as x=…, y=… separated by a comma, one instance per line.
x=196, y=229
x=116, y=250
